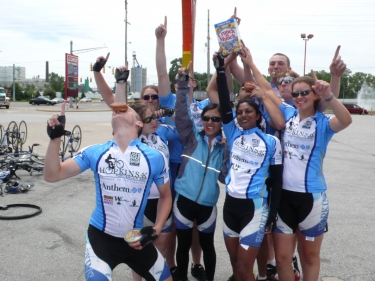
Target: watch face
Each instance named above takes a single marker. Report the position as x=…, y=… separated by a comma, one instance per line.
x=133, y=236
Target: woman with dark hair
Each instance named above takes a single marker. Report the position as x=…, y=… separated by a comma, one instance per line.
x=255, y=158
x=304, y=204
x=197, y=190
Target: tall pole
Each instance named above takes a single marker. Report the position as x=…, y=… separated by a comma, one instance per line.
x=304, y=64
x=126, y=31
x=71, y=47
x=14, y=86
x=208, y=48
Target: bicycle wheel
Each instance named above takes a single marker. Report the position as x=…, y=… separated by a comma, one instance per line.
x=12, y=134
x=22, y=129
x=76, y=138
x=19, y=211
x=62, y=146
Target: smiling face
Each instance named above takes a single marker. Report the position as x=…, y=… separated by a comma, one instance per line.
x=151, y=102
x=247, y=116
x=148, y=128
x=304, y=103
x=277, y=64
x=285, y=87
x=210, y=127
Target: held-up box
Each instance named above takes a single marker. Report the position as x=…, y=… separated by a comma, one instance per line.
x=228, y=36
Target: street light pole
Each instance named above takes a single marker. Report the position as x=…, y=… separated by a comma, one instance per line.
x=303, y=36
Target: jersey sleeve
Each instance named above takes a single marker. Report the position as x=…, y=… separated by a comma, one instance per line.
x=277, y=155
x=287, y=111
x=168, y=101
x=84, y=157
x=168, y=132
x=161, y=170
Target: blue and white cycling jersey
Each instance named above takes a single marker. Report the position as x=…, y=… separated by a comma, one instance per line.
x=304, y=146
x=196, y=109
x=252, y=152
x=122, y=182
x=158, y=141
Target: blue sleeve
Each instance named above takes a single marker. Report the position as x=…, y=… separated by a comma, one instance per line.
x=161, y=172
x=84, y=158
x=287, y=111
x=167, y=132
x=168, y=101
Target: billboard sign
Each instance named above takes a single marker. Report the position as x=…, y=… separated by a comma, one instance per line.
x=71, y=75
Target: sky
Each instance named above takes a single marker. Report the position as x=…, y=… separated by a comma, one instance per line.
x=33, y=32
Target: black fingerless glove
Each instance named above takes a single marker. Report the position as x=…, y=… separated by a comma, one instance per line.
x=167, y=111
x=99, y=65
x=271, y=221
x=219, y=61
x=148, y=235
x=59, y=129
x=121, y=76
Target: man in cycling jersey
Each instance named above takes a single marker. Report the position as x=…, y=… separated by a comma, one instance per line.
x=121, y=196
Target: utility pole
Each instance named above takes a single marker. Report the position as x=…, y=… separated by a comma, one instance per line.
x=208, y=49
x=126, y=31
x=14, y=86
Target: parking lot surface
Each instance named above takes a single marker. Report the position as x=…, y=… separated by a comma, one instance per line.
x=51, y=245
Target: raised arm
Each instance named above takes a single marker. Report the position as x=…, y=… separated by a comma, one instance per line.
x=161, y=60
x=337, y=68
x=342, y=117
x=103, y=87
x=212, y=88
x=184, y=124
x=54, y=170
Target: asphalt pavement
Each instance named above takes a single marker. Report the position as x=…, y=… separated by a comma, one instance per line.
x=51, y=246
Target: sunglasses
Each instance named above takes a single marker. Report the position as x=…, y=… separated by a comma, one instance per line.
x=212, y=118
x=286, y=80
x=148, y=119
x=153, y=97
x=302, y=93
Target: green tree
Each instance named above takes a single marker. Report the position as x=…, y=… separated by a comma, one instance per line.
x=50, y=92
x=29, y=91
x=56, y=82
x=19, y=91
x=173, y=70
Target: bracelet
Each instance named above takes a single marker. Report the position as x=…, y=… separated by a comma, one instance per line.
x=330, y=98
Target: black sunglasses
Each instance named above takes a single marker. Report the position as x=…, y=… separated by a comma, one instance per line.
x=148, y=119
x=286, y=80
x=212, y=118
x=302, y=93
x=153, y=97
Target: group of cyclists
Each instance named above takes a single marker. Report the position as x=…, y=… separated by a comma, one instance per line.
x=268, y=151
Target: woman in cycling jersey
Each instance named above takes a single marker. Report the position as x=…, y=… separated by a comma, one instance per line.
x=255, y=156
x=304, y=204
x=196, y=186
x=155, y=136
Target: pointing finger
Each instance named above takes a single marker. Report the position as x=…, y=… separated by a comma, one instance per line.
x=189, y=66
x=107, y=57
x=165, y=21
x=313, y=75
x=63, y=108
x=235, y=11
x=337, y=52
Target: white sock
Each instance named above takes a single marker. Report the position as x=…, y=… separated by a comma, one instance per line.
x=262, y=278
x=272, y=262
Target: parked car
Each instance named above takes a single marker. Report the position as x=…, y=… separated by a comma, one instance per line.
x=85, y=100
x=58, y=100
x=41, y=100
x=355, y=109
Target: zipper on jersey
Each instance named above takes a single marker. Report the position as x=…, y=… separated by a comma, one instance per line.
x=204, y=177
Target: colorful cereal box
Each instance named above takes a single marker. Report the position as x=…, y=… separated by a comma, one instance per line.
x=228, y=36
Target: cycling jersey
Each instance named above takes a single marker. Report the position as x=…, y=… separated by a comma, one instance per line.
x=252, y=152
x=158, y=141
x=304, y=145
x=196, y=109
x=123, y=181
